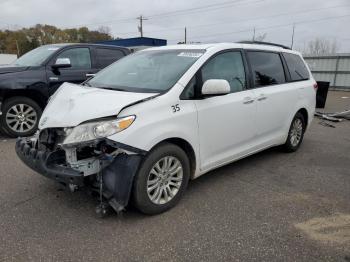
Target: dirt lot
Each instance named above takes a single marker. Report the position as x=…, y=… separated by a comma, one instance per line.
x=269, y=207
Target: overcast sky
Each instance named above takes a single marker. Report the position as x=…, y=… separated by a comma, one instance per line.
x=206, y=20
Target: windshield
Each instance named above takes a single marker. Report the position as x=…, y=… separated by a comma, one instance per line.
x=36, y=57
x=146, y=71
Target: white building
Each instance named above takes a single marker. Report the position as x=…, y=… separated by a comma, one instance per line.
x=6, y=59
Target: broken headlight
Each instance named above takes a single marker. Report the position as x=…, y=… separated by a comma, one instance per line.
x=94, y=130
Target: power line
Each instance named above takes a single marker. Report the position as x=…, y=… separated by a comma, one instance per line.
x=176, y=12
x=244, y=20
x=274, y=26
x=124, y=20
x=273, y=16
x=200, y=9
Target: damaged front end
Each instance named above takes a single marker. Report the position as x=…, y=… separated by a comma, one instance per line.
x=102, y=165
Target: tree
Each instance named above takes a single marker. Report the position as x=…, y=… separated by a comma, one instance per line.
x=321, y=46
x=260, y=37
x=22, y=40
x=104, y=30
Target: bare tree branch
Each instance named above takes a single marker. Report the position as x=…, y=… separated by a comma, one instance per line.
x=321, y=46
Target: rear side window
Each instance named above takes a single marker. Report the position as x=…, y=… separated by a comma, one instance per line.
x=105, y=56
x=228, y=66
x=296, y=66
x=267, y=68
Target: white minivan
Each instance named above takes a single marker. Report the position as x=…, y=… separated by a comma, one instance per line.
x=147, y=124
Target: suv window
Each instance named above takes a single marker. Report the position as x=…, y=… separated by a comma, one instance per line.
x=228, y=66
x=105, y=56
x=79, y=57
x=267, y=68
x=296, y=66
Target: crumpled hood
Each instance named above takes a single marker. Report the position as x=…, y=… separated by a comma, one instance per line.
x=12, y=69
x=73, y=104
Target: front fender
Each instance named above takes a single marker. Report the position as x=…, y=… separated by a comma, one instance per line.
x=156, y=121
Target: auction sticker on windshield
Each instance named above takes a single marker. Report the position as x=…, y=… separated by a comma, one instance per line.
x=190, y=54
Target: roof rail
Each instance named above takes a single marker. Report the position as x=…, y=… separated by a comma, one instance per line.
x=264, y=43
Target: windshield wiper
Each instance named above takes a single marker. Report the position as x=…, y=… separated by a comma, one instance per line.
x=111, y=88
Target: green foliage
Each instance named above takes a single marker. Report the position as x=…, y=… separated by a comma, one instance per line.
x=26, y=39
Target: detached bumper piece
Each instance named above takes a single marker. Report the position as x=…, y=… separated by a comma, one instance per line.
x=48, y=163
x=118, y=178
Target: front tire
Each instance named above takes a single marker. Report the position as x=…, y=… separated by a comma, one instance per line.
x=20, y=117
x=295, y=134
x=161, y=180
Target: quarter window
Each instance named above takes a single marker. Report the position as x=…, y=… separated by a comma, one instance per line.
x=267, y=68
x=296, y=66
x=189, y=91
x=228, y=66
x=79, y=57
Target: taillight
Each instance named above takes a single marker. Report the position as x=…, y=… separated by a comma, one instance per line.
x=315, y=86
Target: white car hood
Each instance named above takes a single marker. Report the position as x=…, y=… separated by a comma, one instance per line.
x=73, y=104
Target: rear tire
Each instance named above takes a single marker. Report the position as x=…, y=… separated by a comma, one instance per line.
x=166, y=169
x=20, y=117
x=295, y=134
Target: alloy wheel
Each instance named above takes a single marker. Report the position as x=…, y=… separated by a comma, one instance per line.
x=21, y=118
x=296, y=132
x=164, y=180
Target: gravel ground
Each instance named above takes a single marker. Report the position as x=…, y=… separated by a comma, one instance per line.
x=269, y=207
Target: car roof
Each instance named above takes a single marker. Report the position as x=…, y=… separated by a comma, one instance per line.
x=61, y=45
x=221, y=46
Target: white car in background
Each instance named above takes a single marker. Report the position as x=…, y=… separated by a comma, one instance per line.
x=147, y=124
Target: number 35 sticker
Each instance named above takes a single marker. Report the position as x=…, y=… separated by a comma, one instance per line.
x=175, y=108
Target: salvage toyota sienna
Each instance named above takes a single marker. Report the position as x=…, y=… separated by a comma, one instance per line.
x=147, y=124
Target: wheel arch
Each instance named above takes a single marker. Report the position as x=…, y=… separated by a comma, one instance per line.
x=186, y=147
x=36, y=96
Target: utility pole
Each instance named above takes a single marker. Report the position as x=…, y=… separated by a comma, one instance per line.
x=254, y=35
x=185, y=35
x=293, y=36
x=140, y=27
x=17, y=48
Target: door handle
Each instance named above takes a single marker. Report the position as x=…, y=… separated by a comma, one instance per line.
x=53, y=78
x=262, y=97
x=90, y=75
x=248, y=100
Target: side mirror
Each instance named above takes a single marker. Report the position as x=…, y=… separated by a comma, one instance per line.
x=62, y=63
x=216, y=87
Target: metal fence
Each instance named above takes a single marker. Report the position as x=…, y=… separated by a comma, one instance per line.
x=331, y=68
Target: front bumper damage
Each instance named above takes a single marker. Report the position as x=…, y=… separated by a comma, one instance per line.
x=114, y=173
x=47, y=163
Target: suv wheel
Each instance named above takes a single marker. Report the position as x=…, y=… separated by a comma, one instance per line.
x=20, y=117
x=295, y=134
x=161, y=179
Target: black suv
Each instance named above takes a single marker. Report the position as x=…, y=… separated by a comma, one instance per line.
x=26, y=85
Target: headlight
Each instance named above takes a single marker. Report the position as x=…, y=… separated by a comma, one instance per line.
x=95, y=130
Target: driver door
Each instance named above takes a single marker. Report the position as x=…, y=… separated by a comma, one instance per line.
x=226, y=122
x=81, y=65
